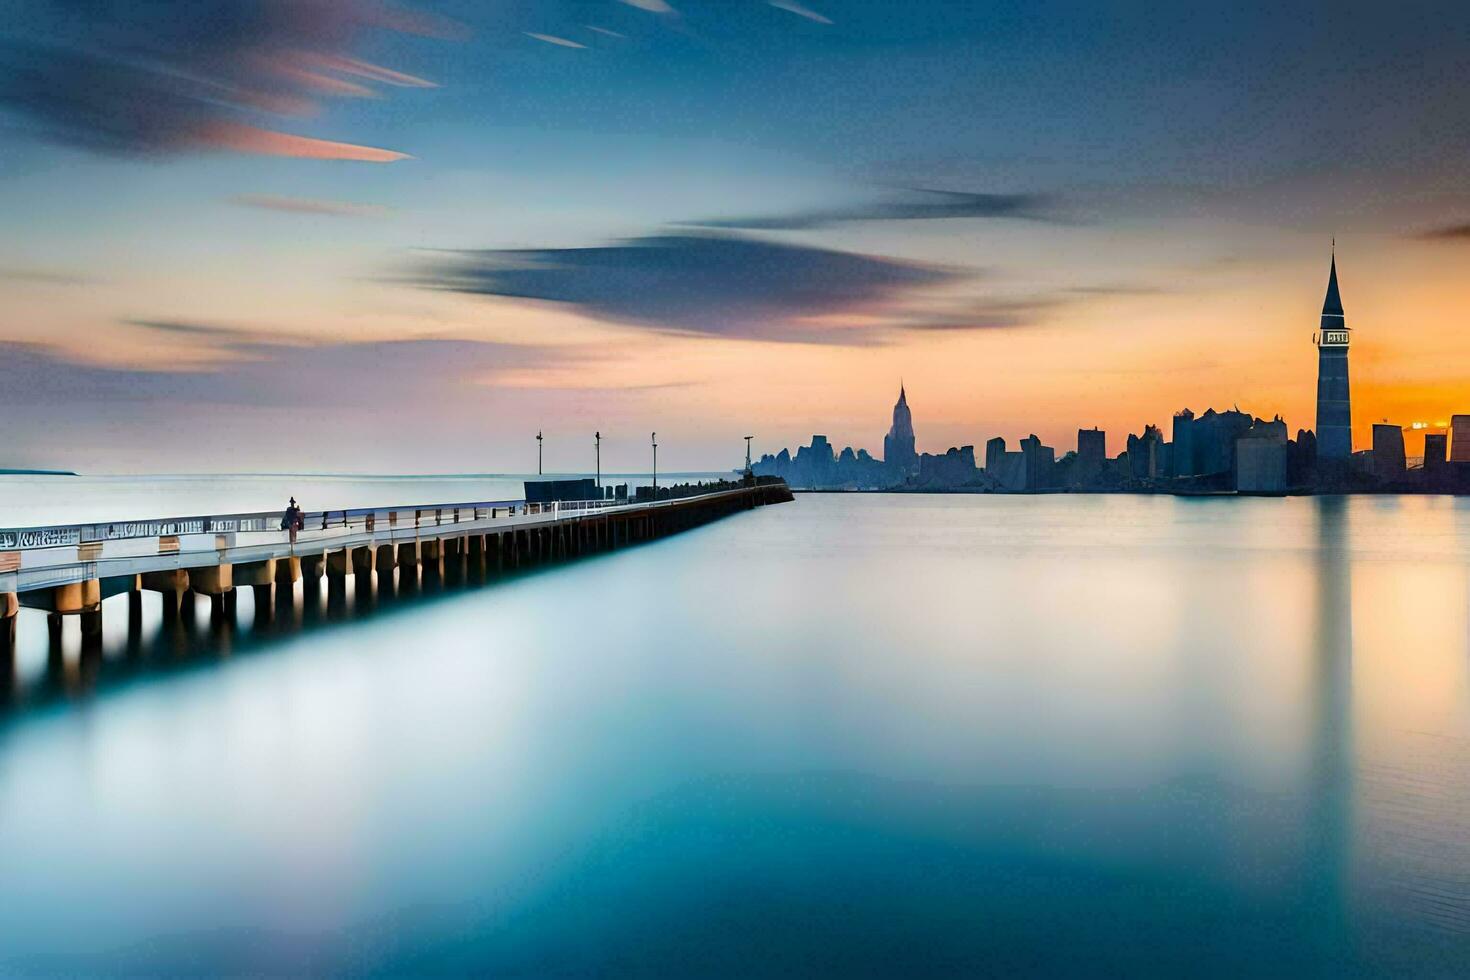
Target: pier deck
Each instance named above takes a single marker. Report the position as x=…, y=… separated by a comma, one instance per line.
x=71, y=569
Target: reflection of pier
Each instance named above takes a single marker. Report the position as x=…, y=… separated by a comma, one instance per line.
x=68, y=571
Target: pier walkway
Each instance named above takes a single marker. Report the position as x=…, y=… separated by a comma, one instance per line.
x=68, y=570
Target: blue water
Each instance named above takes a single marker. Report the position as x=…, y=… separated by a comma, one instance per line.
x=857, y=735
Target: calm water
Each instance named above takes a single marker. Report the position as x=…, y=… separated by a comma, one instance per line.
x=853, y=735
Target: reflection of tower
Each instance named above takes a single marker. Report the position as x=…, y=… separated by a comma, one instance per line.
x=1328, y=828
x=1334, y=402
x=898, y=445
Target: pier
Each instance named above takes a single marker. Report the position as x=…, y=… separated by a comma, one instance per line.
x=69, y=570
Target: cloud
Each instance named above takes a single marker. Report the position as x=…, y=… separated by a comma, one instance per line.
x=695, y=284
x=552, y=39
x=799, y=10
x=1447, y=233
x=652, y=6
x=603, y=30
x=989, y=314
x=236, y=336
x=48, y=277
x=269, y=372
x=916, y=205
x=164, y=79
x=306, y=205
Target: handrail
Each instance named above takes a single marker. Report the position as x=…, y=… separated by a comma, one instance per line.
x=369, y=518
x=420, y=515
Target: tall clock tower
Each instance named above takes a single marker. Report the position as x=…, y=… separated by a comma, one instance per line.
x=1334, y=399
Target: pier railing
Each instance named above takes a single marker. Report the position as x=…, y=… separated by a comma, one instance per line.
x=47, y=556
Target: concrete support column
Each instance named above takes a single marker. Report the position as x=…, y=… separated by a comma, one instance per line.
x=9, y=608
x=255, y=573
x=312, y=567
x=385, y=556
x=288, y=571
x=337, y=563
x=92, y=630
x=431, y=557
x=53, y=637
x=408, y=553
x=76, y=597
x=362, y=561
x=264, y=603
x=212, y=580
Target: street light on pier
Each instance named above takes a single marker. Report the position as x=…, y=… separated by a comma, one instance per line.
x=597, y=441
x=538, y=452
x=747, y=454
x=654, y=439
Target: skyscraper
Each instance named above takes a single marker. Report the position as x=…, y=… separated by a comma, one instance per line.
x=1334, y=400
x=898, y=445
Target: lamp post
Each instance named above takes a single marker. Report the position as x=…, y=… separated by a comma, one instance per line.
x=597, y=441
x=538, y=453
x=747, y=454
x=654, y=439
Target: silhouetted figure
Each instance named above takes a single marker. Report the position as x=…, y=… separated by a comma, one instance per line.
x=293, y=520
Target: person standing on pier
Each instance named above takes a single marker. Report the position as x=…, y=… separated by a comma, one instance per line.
x=293, y=520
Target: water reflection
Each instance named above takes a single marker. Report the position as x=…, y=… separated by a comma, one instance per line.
x=53, y=660
x=851, y=736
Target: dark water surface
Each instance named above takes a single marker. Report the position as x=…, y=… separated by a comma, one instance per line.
x=855, y=735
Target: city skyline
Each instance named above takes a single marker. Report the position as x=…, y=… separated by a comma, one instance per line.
x=402, y=235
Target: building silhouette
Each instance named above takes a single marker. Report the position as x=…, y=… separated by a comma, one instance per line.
x=1436, y=453
x=1388, y=453
x=898, y=445
x=1460, y=439
x=1334, y=401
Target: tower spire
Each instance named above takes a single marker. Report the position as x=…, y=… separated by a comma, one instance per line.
x=1332, y=303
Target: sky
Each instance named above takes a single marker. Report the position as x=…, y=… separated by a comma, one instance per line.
x=353, y=236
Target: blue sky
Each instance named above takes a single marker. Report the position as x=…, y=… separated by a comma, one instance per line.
x=773, y=212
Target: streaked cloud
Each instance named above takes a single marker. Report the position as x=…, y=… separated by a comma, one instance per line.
x=552, y=39
x=652, y=6
x=603, y=30
x=48, y=277
x=799, y=10
x=1459, y=232
x=268, y=142
x=306, y=205
x=917, y=204
x=269, y=372
x=163, y=79
x=696, y=284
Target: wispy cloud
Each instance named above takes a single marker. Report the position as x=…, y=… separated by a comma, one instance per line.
x=652, y=6
x=1447, y=233
x=913, y=205
x=174, y=78
x=263, y=372
x=306, y=205
x=48, y=277
x=553, y=39
x=603, y=30
x=696, y=284
x=799, y=10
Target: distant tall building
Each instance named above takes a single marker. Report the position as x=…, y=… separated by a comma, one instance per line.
x=1435, y=454
x=1460, y=439
x=1334, y=400
x=1388, y=452
x=1092, y=445
x=898, y=445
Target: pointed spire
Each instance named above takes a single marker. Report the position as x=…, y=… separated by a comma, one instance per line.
x=903, y=398
x=1332, y=304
